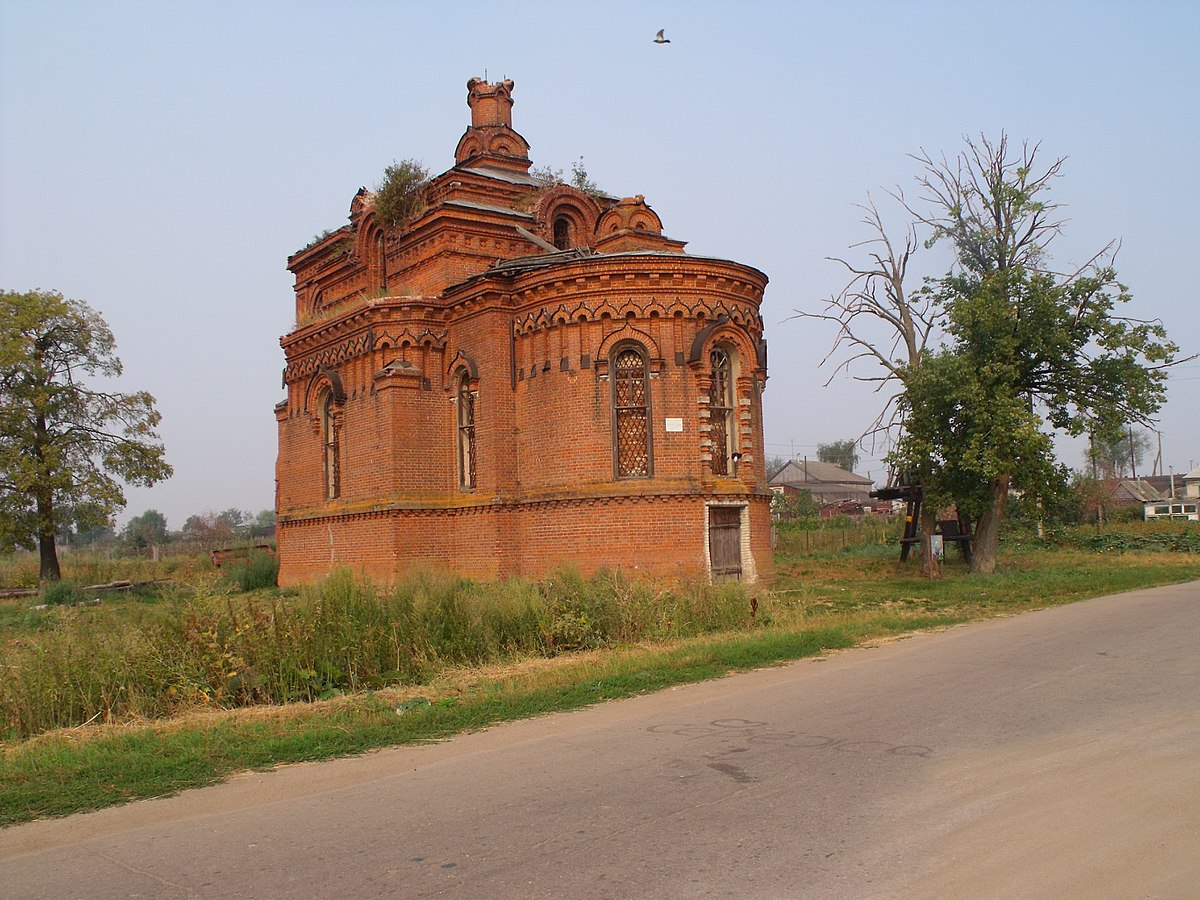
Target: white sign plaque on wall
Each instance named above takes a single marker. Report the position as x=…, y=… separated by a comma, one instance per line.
x=673, y=424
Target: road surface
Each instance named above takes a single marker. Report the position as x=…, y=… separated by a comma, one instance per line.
x=1054, y=754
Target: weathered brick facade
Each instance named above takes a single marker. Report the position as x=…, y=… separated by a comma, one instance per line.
x=463, y=393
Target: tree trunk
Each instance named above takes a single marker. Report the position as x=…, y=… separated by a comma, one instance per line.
x=47, y=549
x=987, y=530
x=930, y=567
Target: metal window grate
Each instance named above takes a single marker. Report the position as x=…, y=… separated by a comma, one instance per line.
x=631, y=414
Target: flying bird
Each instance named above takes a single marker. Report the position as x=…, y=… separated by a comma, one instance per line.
x=659, y=39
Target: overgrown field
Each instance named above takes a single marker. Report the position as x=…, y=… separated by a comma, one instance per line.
x=177, y=685
x=131, y=661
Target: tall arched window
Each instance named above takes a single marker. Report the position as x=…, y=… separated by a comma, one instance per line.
x=631, y=414
x=722, y=429
x=331, y=449
x=562, y=233
x=466, y=432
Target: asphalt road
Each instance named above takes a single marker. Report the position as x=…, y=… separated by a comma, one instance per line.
x=1053, y=754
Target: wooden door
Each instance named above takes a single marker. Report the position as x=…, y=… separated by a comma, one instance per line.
x=725, y=541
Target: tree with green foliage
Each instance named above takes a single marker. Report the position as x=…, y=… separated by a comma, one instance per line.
x=263, y=522
x=790, y=505
x=233, y=517
x=579, y=177
x=839, y=453
x=1119, y=455
x=1027, y=350
x=61, y=440
x=401, y=193
x=773, y=465
x=146, y=530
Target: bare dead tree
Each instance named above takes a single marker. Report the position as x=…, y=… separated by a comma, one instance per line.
x=989, y=215
x=878, y=319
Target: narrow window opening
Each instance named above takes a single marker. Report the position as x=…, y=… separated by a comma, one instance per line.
x=722, y=430
x=330, y=439
x=466, y=433
x=562, y=233
x=381, y=262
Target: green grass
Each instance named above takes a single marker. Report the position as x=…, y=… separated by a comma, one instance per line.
x=506, y=651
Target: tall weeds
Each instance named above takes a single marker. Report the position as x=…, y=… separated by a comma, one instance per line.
x=341, y=634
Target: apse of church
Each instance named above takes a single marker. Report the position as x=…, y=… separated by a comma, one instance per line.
x=519, y=375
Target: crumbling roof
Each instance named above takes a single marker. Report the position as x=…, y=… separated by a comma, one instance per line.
x=503, y=210
x=505, y=175
x=538, y=261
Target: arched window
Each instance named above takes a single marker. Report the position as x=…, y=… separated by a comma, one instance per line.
x=722, y=430
x=330, y=440
x=631, y=414
x=466, y=432
x=562, y=233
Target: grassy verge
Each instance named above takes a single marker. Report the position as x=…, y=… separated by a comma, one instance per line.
x=820, y=602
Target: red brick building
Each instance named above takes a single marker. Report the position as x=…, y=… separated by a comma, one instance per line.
x=518, y=375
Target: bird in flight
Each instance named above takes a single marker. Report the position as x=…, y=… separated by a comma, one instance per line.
x=659, y=39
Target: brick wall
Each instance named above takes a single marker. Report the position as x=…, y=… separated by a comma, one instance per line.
x=536, y=341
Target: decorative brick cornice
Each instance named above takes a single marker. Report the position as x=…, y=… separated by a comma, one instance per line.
x=470, y=505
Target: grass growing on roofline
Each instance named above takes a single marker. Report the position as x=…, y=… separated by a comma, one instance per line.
x=821, y=601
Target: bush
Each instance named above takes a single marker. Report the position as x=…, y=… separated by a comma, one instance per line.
x=260, y=570
x=399, y=196
x=60, y=593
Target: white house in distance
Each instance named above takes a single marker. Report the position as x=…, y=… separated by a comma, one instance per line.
x=1185, y=505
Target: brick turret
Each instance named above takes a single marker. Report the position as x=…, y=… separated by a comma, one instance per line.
x=491, y=139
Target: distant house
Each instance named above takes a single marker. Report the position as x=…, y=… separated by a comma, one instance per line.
x=1130, y=492
x=828, y=483
x=1183, y=503
x=1191, y=484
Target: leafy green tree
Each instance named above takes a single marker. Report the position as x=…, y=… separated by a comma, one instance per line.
x=62, y=441
x=579, y=177
x=263, y=522
x=840, y=453
x=234, y=518
x=400, y=195
x=792, y=505
x=90, y=537
x=206, y=529
x=146, y=530
x=1118, y=456
x=1026, y=351
x=773, y=464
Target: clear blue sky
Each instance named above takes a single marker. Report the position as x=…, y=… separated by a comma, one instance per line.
x=162, y=160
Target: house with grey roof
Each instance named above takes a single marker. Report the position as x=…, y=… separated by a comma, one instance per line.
x=826, y=482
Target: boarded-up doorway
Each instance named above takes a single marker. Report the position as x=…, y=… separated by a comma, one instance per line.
x=725, y=542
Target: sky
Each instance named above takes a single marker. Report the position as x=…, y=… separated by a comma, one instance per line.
x=161, y=161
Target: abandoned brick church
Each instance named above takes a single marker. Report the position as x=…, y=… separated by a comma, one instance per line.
x=521, y=374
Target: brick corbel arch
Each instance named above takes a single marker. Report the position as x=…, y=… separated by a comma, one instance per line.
x=581, y=210
x=654, y=357
x=723, y=331
x=321, y=379
x=461, y=361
